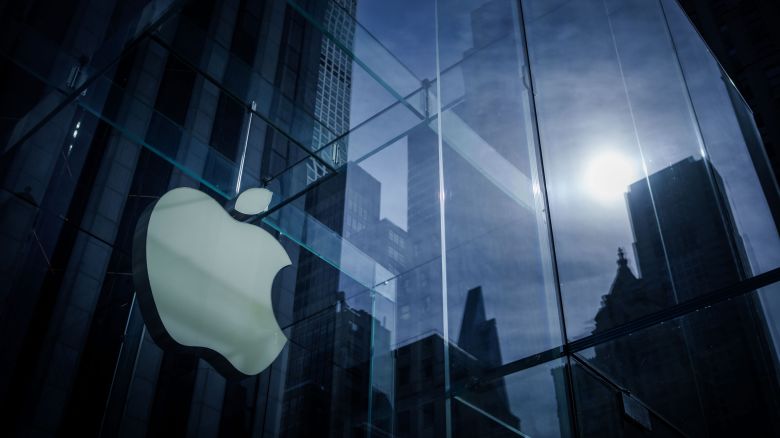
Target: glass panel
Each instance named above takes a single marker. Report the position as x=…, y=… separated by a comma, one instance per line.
x=408, y=351
x=532, y=402
x=713, y=371
x=734, y=147
x=627, y=166
x=590, y=143
x=605, y=410
x=501, y=298
x=385, y=67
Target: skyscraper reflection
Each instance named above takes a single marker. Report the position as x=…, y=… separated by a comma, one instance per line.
x=420, y=370
x=709, y=373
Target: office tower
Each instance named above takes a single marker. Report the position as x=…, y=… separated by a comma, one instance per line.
x=420, y=369
x=330, y=361
x=687, y=369
x=419, y=292
x=346, y=203
x=329, y=372
x=479, y=338
x=692, y=225
x=478, y=335
x=334, y=85
x=386, y=243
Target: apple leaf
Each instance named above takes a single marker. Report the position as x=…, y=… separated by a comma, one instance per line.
x=253, y=201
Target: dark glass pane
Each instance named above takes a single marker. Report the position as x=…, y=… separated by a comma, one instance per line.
x=710, y=372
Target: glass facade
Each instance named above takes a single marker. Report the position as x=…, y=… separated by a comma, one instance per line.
x=505, y=218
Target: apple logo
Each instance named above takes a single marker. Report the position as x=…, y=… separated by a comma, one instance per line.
x=203, y=279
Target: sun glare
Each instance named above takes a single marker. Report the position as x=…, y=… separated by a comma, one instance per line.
x=608, y=175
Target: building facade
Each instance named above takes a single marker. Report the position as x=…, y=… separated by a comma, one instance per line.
x=450, y=179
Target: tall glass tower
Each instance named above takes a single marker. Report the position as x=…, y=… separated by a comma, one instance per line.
x=334, y=84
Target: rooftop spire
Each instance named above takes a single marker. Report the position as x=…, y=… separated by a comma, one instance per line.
x=621, y=258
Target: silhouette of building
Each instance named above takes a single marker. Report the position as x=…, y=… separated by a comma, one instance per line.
x=329, y=372
x=478, y=335
x=329, y=363
x=707, y=373
x=420, y=374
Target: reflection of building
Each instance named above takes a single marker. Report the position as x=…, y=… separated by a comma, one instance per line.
x=653, y=363
x=484, y=167
x=486, y=173
x=329, y=360
x=697, y=232
x=386, y=243
x=478, y=339
x=329, y=372
x=347, y=203
x=420, y=380
x=419, y=294
x=710, y=372
x=327, y=377
x=334, y=85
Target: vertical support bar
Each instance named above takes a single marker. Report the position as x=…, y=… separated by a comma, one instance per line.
x=569, y=380
x=443, y=235
x=246, y=144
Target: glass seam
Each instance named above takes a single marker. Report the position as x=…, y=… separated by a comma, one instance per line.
x=489, y=416
x=569, y=380
x=122, y=348
x=648, y=321
x=645, y=170
x=639, y=147
x=596, y=373
x=442, y=232
x=718, y=191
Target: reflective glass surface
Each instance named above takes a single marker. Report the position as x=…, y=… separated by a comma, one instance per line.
x=504, y=218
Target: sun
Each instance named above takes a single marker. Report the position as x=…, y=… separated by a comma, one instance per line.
x=608, y=174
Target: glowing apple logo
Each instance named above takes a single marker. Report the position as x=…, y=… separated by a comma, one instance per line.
x=204, y=279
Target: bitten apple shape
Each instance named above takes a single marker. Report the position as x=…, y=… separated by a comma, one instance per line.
x=204, y=279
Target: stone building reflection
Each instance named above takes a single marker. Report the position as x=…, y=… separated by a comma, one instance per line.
x=710, y=372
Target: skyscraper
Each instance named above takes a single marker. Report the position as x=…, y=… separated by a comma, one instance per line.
x=420, y=369
x=675, y=368
x=334, y=85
